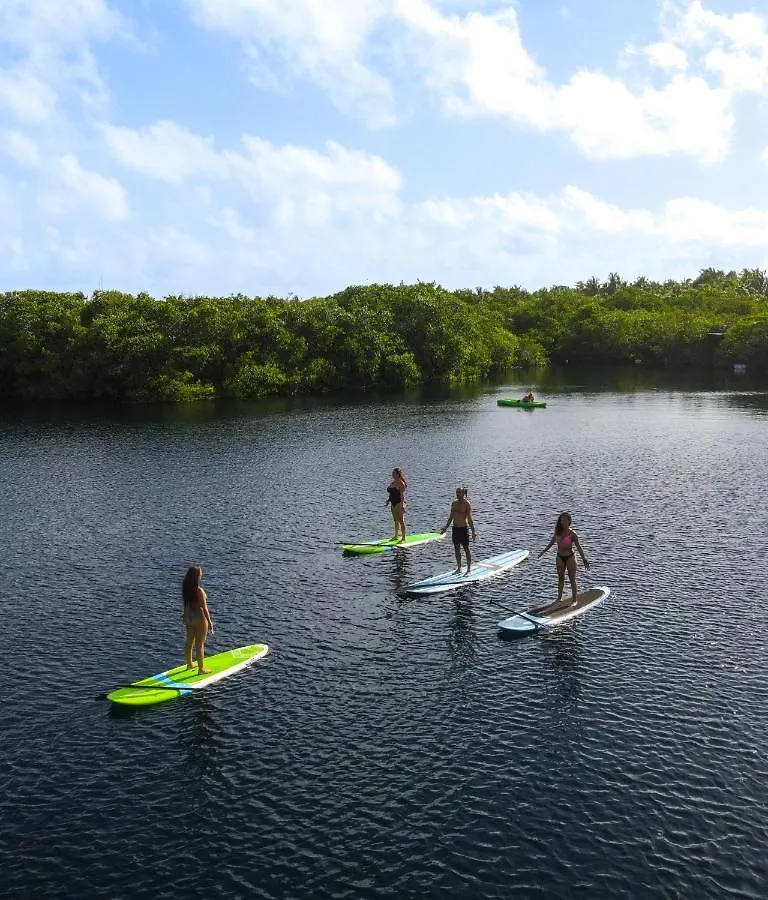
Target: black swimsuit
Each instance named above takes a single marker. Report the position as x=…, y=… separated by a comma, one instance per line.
x=460, y=536
x=394, y=496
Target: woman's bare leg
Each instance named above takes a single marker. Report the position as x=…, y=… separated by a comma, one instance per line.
x=188, y=642
x=393, y=509
x=400, y=521
x=572, y=576
x=560, y=579
x=201, y=633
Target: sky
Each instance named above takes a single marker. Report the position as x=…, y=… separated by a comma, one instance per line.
x=295, y=147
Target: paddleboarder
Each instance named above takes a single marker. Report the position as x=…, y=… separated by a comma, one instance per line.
x=196, y=617
x=396, y=491
x=566, y=540
x=461, y=516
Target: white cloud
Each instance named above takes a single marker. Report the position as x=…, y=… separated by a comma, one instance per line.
x=317, y=185
x=12, y=252
x=479, y=66
x=75, y=189
x=666, y=56
x=20, y=148
x=304, y=242
x=733, y=47
x=258, y=216
x=606, y=120
x=165, y=151
x=319, y=40
x=475, y=63
x=26, y=96
x=298, y=181
x=50, y=41
x=691, y=220
x=40, y=23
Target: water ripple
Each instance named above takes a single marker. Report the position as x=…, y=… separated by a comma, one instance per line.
x=387, y=746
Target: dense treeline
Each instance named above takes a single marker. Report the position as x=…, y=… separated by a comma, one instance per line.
x=123, y=347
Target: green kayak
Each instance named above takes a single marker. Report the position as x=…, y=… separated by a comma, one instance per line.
x=411, y=540
x=522, y=404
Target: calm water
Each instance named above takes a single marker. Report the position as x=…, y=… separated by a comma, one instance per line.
x=389, y=747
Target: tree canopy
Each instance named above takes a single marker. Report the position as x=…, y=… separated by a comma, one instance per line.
x=123, y=347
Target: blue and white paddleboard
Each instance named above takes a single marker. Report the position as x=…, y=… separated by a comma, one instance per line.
x=487, y=568
x=526, y=622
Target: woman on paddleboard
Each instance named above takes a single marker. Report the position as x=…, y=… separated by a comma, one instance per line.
x=566, y=540
x=396, y=491
x=196, y=616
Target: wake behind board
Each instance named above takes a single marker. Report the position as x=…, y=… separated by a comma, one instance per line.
x=180, y=681
x=526, y=622
x=412, y=540
x=486, y=568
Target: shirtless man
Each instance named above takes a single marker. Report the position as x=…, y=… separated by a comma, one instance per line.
x=461, y=516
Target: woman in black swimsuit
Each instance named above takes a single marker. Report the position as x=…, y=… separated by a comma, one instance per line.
x=396, y=491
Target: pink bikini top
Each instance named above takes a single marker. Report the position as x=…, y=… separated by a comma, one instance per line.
x=564, y=540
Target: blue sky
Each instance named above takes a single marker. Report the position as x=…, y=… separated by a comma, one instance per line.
x=275, y=147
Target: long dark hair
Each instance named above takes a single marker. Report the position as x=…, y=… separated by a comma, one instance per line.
x=191, y=584
x=559, y=527
x=399, y=473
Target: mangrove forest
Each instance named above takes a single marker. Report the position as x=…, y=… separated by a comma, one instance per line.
x=121, y=347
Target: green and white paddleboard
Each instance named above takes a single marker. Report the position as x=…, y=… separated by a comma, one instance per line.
x=181, y=681
x=412, y=540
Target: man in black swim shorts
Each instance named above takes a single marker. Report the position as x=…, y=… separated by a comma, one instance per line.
x=461, y=517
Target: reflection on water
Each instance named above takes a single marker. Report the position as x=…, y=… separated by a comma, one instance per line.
x=562, y=650
x=199, y=737
x=462, y=633
x=756, y=403
x=400, y=569
x=631, y=379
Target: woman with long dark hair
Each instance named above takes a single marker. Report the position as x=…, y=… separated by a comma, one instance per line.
x=396, y=491
x=566, y=540
x=196, y=616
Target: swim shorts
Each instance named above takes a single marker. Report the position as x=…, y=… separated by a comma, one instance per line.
x=460, y=535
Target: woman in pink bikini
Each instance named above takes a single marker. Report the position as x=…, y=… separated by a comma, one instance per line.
x=566, y=539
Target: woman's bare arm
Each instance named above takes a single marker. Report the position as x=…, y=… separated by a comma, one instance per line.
x=203, y=600
x=578, y=547
x=550, y=544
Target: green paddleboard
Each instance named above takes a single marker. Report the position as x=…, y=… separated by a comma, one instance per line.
x=411, y=540
x=180, y=682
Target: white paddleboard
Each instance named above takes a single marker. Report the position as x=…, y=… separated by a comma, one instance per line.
x=526, y=622
x=486, y=568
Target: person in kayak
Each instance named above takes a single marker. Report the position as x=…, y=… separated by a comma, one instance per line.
x=196, y=617
x=528, y=397
x=566, y=540
x=396, y=491
x=461, y=516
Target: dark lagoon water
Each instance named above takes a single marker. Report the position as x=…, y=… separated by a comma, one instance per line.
x=389, y=747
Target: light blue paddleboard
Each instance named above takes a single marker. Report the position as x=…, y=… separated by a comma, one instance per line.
x=486, y=568
x=537, y=618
